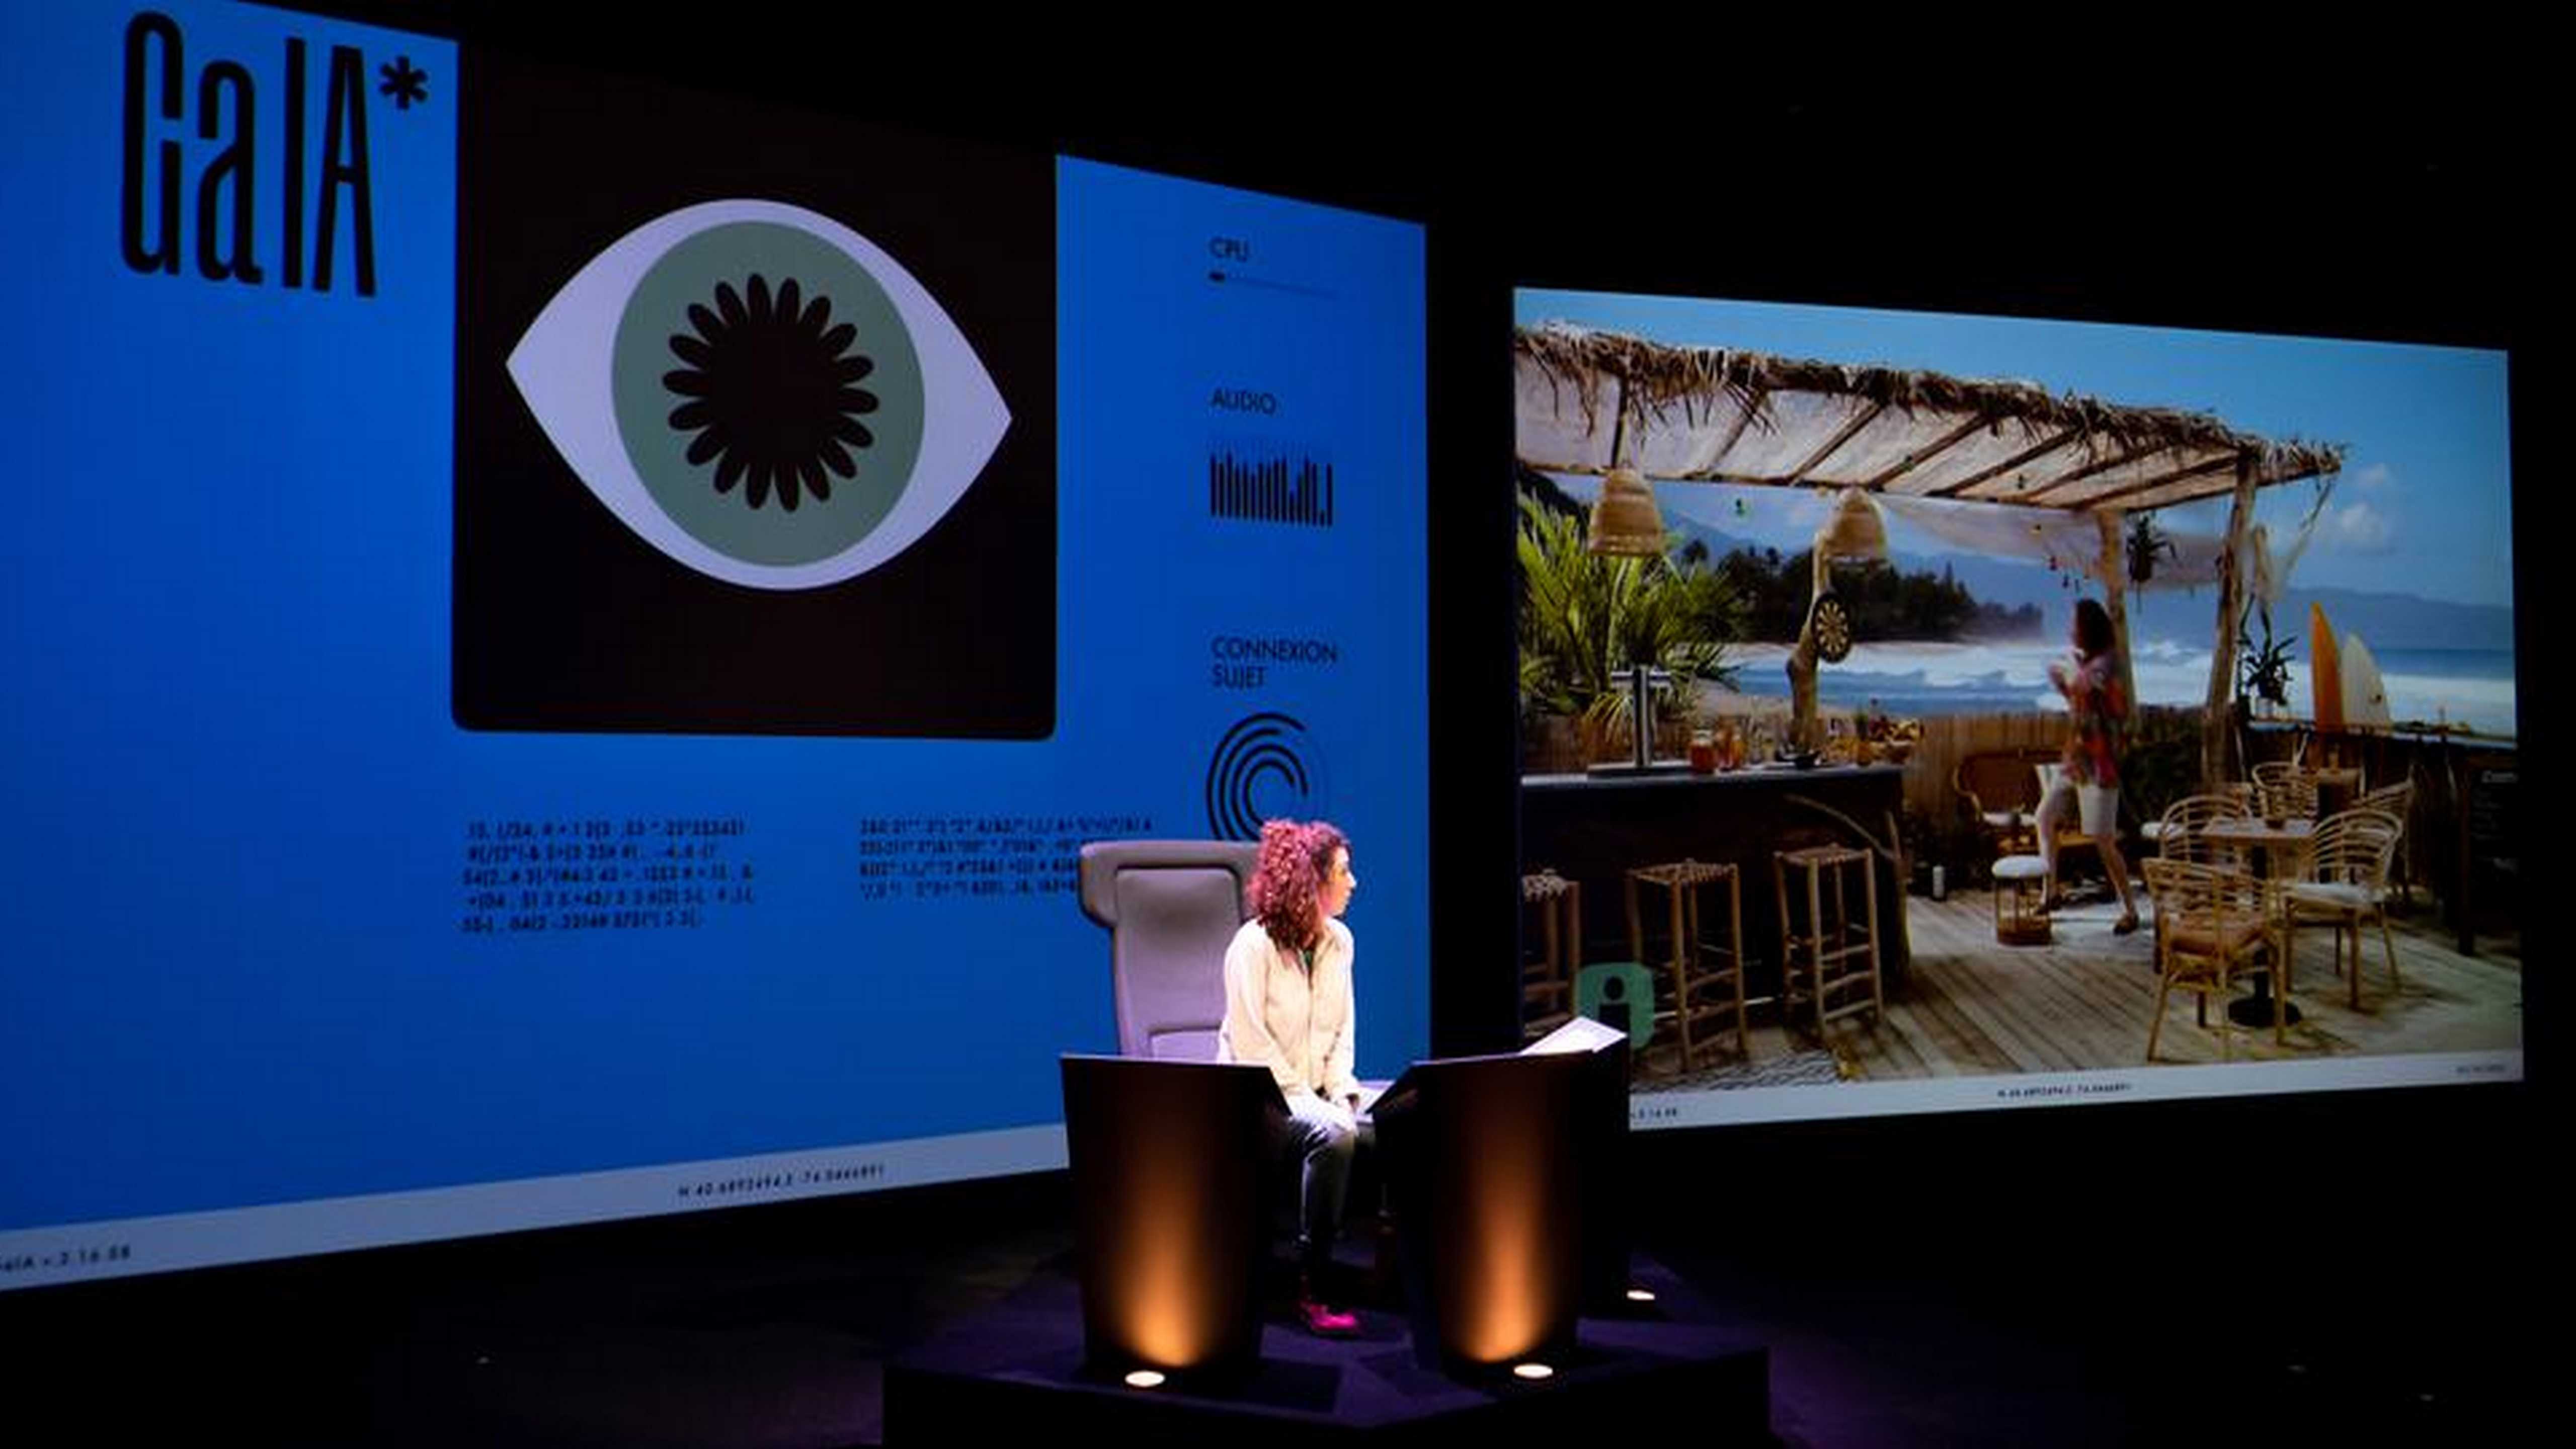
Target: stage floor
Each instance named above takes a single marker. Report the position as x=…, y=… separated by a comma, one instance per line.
x=2077, y=1318
x=1019, y=1364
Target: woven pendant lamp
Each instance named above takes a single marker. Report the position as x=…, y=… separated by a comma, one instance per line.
x=1625, y=522
x=1854, y=532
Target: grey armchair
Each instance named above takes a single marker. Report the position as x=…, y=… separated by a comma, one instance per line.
x=1171, y=907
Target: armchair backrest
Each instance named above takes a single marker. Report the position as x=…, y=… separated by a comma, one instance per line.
x=2395, y=801
x=2286, y=788
x=2186, y=818
x=1996, y=781
x=2353, y=847
x=1171, y=907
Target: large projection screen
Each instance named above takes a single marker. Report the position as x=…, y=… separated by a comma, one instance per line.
x=565, y=633
x=1751, y=422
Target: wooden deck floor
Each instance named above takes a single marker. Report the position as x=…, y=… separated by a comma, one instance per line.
x=1973, y=1008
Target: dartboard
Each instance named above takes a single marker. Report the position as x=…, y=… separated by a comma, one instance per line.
x=1832, y=623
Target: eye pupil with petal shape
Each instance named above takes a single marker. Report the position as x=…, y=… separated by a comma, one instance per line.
x=769, y=393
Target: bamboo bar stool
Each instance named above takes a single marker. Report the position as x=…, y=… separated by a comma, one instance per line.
x=1547, y=983
x=1830, y=957
x=2018, y=881
x=1704, y=995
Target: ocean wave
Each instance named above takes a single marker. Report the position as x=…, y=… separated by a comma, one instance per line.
x=1911, y=677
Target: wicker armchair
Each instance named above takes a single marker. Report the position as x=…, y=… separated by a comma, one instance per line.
x=2398, y=802
x=2002, y=789
x=2211, y=928
x=2178, y=834
x=2285, y=789
x=2347, y=884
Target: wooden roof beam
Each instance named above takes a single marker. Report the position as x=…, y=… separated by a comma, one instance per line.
x=1921, y=456
x=1753, y=403
x=1816, y=460
x=2220, y=463
x=2096, y=467
x=2027, y=455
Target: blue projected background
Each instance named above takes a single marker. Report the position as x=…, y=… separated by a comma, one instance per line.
x=281, y=929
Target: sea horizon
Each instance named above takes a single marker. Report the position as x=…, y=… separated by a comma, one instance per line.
x=2473, y=688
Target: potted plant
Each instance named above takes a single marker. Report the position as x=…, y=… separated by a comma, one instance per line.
x=2146, y=543
x=2263, y=671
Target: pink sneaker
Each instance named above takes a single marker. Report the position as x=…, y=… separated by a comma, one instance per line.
x=1325, y=1321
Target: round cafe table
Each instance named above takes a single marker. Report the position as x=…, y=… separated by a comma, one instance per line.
x=2283, y=849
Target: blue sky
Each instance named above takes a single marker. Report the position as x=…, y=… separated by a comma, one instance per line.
x=2424, y=502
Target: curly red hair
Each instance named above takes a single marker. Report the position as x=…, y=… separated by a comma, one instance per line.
x=1296, y=857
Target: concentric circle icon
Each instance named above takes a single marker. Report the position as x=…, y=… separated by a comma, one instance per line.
x=1267, y=766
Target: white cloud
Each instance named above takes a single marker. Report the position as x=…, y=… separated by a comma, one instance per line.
x=2359, y=528
x=2376, y=478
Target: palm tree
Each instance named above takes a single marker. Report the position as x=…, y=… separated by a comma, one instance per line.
x=1586, y=618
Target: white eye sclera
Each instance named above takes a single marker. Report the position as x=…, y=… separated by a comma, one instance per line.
x=761, y=393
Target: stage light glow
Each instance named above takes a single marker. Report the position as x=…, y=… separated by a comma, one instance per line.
x=1510, y=1296
x=1641, y=1295
x=1163, y=1316
x=1533, y=1371
x=1145, y=1379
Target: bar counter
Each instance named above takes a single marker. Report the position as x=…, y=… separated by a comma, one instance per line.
x=1592, y=829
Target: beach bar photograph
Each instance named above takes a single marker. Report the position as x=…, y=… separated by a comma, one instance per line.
x=1804, y=673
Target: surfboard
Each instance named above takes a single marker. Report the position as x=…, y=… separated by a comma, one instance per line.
x=2365, y=694
x=2325, y=669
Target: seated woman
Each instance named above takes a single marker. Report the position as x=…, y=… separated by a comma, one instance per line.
x=1288, y=1008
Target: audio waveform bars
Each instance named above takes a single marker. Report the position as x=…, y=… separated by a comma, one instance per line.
x=1270, y=485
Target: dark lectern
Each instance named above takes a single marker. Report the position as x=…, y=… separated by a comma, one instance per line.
x=1488, y=1164
x=1482, y=1172
x=1167, y=1165
x=1600, y=1124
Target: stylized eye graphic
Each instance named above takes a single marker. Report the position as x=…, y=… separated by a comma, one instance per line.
x=783, y=405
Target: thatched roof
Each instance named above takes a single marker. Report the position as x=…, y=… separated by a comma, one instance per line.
x=1720, y=415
